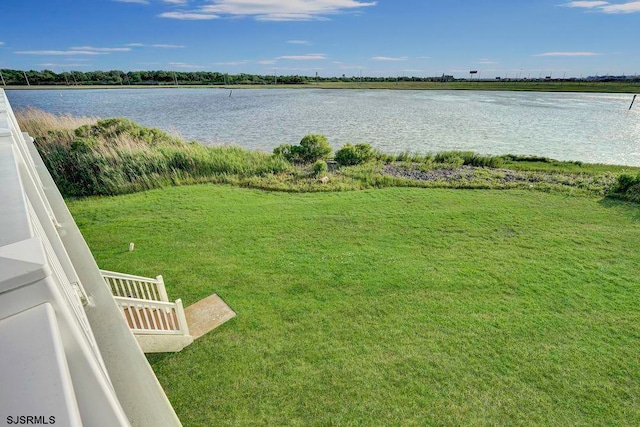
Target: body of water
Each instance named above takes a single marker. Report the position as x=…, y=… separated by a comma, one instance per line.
x=596, y=128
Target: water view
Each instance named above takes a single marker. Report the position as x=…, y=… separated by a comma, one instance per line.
x=596, y=128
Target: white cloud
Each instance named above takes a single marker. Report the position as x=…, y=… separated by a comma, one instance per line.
x=188, y=16
x=307, y=57
x=64, y=65
x=60, y=52
x=77, y=50
x=176, y=1
x=631, y=7
x=279, y=10
x=102, y=49
x=568, y=54
x=1, y=43
x=157, y=45
x=351, y=67
x=185, y=65
x=296, y=69
x=267, y=62
x=233, y=63
x=305, y=42
x=290, y=17
x=389, y=58
x=607, y=7
x=586, y=4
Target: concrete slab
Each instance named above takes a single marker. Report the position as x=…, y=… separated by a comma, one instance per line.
x=206, y=315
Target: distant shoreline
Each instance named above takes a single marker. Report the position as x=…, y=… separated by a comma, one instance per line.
x=524, y=86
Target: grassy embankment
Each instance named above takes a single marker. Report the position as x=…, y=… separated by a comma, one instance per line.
x=396, y=306
x=533, y=86
x=115, y=156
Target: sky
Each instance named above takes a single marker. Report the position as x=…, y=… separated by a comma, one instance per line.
x=506, y=38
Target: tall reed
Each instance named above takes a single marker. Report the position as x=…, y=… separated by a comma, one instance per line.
x=87, y=156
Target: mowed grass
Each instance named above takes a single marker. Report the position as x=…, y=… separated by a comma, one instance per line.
x=386, y=307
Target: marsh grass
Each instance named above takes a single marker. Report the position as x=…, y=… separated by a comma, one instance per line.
x=87, y=156
x=57, y=128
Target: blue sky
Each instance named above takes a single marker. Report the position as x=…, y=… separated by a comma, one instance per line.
x=332, y=37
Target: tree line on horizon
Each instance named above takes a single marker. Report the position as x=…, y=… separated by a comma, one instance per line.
x=12, y=77
x=161, y=77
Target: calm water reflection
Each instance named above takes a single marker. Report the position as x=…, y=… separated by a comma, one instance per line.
x=588, y=127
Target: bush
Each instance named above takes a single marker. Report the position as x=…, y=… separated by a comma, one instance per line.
x=284, y=151
x=320, y=168
x=314, y=148
x=311, y=149
x=627, y=188
x=116, y=128
x=351, y=155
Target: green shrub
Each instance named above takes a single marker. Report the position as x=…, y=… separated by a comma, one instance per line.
x=114, y=129
x=284, y=151
x=351, y=155
x=83, y=144
x=627, y=188
x=312, y=148
x=320, y=168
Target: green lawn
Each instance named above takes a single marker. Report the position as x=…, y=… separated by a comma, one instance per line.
x=386, y=307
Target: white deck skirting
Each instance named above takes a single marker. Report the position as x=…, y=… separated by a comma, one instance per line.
x=66, y=349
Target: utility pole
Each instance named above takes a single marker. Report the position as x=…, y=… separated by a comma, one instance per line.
x=26, y=78
x=1, y=77
x=275, y=75
x=175, y=79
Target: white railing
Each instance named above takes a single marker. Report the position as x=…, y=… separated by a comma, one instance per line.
x=145, y=305
x=138, y=287
x=154, y=317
